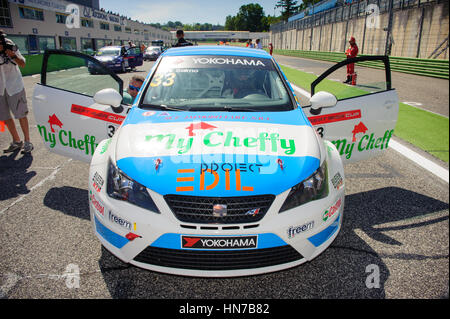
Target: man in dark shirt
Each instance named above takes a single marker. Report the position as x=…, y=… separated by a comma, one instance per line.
x=181, y=41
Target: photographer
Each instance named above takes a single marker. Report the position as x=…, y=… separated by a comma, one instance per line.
x=12, y=94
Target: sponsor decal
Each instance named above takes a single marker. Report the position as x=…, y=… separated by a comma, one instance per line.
x=337, y=181
x=97, y=204
x=264, y=142
x=121, y=221
x=240, y=242
x=224, y=117
x=96, y=114
x=65, y=138
x=295, y=230
x=158, y=163
x=253, y=212
x=243, y=167
x=359, y=128
x=366, y=143
x=232, y=61
x=235, y=176
x=333, y=209
x=105, y=146
x=97, y=182
x=54, y=120
x=335, y=117
x=199, y=126
x=148, y=113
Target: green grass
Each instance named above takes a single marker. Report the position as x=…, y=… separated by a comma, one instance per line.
x=427, y=131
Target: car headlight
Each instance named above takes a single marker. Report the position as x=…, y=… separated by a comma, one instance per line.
x=121, y=187
x=313, y=188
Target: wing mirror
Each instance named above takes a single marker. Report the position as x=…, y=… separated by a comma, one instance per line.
x=321, y=99
x=109, y=97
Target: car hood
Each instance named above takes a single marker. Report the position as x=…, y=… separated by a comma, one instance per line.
x=217, y=153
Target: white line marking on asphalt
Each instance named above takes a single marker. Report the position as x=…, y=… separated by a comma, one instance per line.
x=302, y=92
x=413, y=103
x=49, y=177
x=10, y=282
x=425, y=163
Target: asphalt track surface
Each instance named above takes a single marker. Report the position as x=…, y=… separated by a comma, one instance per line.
x=396, y=221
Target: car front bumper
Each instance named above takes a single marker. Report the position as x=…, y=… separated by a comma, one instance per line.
x=160, y=242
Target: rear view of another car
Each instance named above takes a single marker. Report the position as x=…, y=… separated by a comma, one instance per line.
x=152, y=53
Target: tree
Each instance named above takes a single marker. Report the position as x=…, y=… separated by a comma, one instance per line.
x=289, y=8
x=250, y=17
x=307, y=3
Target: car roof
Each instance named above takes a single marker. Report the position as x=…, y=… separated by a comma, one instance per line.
x=217, y=50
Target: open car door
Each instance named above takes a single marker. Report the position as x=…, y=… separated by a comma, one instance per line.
x=359, y=118
x=74, y=109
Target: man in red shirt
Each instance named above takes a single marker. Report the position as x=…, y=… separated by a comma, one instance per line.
x=351, y=52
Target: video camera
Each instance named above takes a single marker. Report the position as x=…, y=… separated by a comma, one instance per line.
x=6, y=46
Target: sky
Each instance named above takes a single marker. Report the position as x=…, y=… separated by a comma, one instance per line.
x=185, y=11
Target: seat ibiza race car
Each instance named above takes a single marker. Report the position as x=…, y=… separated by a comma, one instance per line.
x=216, y=170
x=117, y=58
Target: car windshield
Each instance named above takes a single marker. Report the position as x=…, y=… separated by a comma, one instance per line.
x=151, y=49
x=108, y=52
x=208, y=83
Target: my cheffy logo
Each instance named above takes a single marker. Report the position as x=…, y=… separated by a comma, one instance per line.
x=66, y=138
x=210, y=137
x=366, y=143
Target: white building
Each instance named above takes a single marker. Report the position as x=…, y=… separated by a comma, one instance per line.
x=36, y=25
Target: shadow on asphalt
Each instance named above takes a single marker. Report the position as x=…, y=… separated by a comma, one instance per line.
x=14, y=176
x=69, y=200
x=339, y=272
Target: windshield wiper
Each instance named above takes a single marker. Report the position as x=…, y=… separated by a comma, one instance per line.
x=162, y=107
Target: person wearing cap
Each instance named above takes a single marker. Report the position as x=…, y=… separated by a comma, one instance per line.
x=351, y=52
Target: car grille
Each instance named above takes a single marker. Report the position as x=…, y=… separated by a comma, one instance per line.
x=218, y=260
x=243, y=209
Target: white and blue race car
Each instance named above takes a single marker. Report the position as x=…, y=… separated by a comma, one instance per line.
x=216, y=169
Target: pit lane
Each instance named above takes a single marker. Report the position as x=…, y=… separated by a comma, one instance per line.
x=395, y=221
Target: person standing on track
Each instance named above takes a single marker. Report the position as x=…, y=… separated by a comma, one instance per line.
x=181, y=41
x=351, y=52
x=12, y=95
x=270, y=48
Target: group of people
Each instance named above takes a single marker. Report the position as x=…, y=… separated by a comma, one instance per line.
x=256, y=45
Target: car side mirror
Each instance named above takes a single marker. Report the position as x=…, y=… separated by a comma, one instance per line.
x=321, y=99
x=109, y=97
